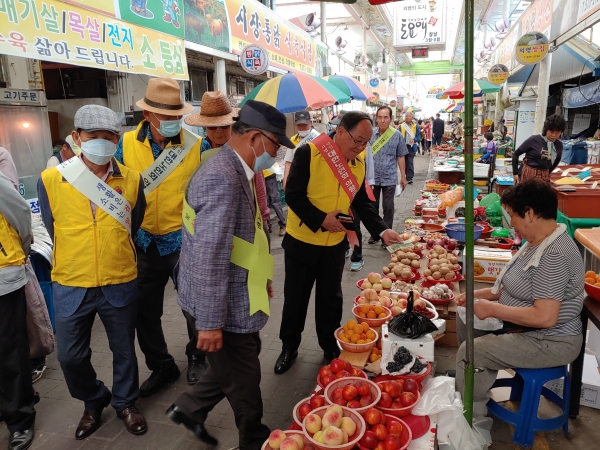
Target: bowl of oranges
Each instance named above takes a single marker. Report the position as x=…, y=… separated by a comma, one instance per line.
x=356, y=337
x=592, y=285
x=373, y=315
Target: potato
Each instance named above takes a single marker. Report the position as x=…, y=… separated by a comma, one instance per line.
x=450, y=276
x=436, y=275
x=427, y=273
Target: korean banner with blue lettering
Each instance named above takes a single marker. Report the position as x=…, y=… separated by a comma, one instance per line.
x=52, y=30
x=586, y=95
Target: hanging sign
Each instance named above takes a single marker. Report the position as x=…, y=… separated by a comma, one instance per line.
x=531, y=48
x=254, y=59
x=393, y=103
x=498, y=74
x=419, y=24
x=374, y=82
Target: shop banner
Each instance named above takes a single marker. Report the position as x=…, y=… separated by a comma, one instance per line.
x=586, y=95
x=420, y=24
x=165, y=16
x=51, y=30
x=232, y=25
x=568, y=13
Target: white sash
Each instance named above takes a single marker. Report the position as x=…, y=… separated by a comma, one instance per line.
x=168, y=159
x=309, y=137
x=408, y=131
x=96, y=190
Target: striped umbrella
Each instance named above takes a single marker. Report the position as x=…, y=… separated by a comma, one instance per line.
x=480, y=87
x=294, y=92
x=453, y=108
x=350, y=86
x=411, y=109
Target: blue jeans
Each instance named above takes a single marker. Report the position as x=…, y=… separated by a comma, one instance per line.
x=73, y=334
x=436, y=140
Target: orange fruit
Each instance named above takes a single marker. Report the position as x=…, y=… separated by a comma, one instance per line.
x=344, y=338
x=351, y=323
x=358, y=329
x=597, y=284
x=355, y=338
x=349, y=333
x=368, y=341
x=362, y=315
x=365, y=326
x=371, y=335
x=382, y=315
x=590, y=280
x=361, y=341
x=371, y=315
x=590, y=274
x=378, y=309
x=371, y=307
x=363, y=336
x=373, y=358
x=364, y=308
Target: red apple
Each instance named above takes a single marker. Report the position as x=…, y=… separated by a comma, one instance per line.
x=411, y=386
x=341, y=374
x=392, y=442
x=380, y=431
x=383, y=418
x=349, y=392
x=366, y=400
x=339, y=401
x=353, y=404
x=372, y=416
x=304, y=409
x=317, y=400
x=401, y=383
x=369, y=440
x=327, y=379
x=393, y=389
x=337, y=364
x=357, y=373
x=325, y=370
x=408, y=398
x=348, y=367
x=337, y=393
x=379, y=446
x=395, y=428
x=363, y=388
x=397, y=403
x=385, y=401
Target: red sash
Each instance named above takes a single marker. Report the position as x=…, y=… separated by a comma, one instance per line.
x=339, y=166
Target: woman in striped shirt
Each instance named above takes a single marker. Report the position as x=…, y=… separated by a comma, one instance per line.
x=538, y=296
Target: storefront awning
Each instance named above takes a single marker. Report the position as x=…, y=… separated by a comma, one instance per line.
x=573, y=60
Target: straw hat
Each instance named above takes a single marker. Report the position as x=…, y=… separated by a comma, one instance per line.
x=163, y=96
x=215, y=110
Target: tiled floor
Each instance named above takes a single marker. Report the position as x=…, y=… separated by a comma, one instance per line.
x=58, y=414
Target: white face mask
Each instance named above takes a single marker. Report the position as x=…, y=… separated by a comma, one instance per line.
x=98, y=151
x=303, y=133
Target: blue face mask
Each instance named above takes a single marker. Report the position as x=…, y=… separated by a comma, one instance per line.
x=98, y=151
x=263, y=161
x=168, y=128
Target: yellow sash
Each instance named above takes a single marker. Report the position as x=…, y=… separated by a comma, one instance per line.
x=382, y=140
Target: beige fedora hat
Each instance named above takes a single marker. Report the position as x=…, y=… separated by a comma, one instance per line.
x=163, y=96
x=215, y=110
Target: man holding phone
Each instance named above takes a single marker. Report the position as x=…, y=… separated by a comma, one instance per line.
x=327, y=176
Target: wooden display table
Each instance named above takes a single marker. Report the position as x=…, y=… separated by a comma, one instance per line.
x=590, y=240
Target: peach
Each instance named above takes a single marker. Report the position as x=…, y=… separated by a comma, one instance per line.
x=370, y=294
x=377, y=286
x=374, y=277
x=313, y=423
x=333, y=436
x=276, y=438
x=366, y=285
x=332, y=418
x=349, y=426
x=385, y=301
x=319, y=437
x=289, y=444
x=299, y=439
x=345, y=437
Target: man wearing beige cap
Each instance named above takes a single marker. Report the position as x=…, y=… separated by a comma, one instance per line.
x=166, y=155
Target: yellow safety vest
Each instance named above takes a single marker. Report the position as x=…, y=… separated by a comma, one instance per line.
x=324, y=192
x=11, y=249
x=90, y=252
x=296, y=139
x=165, y=203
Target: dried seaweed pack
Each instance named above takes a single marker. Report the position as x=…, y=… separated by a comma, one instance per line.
x=410, y=324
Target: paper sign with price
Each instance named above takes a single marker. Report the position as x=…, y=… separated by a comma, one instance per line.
x=489, y=263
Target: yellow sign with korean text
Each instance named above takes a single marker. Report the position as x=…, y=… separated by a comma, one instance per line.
x=52, y=30
x=531, y=48
x=289, y=47
x=498, y=74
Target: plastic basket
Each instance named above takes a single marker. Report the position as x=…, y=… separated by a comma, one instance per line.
x=457, y=231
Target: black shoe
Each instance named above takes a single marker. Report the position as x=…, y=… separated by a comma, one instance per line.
x=383, y=245
x=328, y=356
x=373, y=240
x=196, y=367
x=285, y=360
x=20, y=440
x=409, y=181
x=197, y=429
x=451, y=373
x=160, y=377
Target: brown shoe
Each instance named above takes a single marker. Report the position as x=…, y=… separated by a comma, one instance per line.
x=282, y=231
x=134, y=421
x=90, y=421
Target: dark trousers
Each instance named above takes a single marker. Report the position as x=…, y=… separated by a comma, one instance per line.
x=387, y=192
x=304, y=266
x=73, y=336
x=410, y=165
x=154, y=272
x=233, y=373
x=437, y=140
x=357, y=251
x=16, y=393
x=273, y=193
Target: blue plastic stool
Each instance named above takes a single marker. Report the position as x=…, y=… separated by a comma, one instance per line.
x=528, y=386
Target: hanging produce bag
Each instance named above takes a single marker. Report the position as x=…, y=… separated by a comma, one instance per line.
x=410, y=324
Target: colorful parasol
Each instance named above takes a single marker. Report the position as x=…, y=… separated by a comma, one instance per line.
x=411, y=109
x=294, y=92
x=453, y=108
x=350, y=86
x=480, y=87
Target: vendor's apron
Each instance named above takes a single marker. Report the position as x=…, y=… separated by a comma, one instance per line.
x=528, y=172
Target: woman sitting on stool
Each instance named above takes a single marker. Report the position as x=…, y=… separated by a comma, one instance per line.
x=539, y=295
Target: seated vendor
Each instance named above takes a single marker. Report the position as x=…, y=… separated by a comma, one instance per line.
x=490, y=149
x=538, y=296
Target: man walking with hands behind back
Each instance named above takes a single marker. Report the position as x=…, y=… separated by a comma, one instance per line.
x=437, y=130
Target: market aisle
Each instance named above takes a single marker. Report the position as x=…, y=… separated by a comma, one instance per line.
x=58, y=414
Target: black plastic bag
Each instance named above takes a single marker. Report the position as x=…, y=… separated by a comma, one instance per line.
x=410, y=324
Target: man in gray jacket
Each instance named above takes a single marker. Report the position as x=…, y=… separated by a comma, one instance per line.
x=16, y=392
x=224, y=273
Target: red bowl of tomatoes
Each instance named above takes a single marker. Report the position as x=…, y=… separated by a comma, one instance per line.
x=336, y=369
x=397, y=401
x=392, y=425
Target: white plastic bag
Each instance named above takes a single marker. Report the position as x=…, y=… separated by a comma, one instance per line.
x=437, y=395
x=454, y=432
x=489, y=324
x=398, y=190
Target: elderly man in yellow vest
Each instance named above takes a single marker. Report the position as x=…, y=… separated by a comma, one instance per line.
x=91, y=206
x=166, y=155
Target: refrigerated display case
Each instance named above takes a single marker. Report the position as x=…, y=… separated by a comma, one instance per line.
x=25, y=133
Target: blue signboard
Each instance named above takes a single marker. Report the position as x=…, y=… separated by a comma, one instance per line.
x=586, y=95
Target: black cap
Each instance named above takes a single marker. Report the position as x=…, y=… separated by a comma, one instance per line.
x=265, y=117
x=302, y=117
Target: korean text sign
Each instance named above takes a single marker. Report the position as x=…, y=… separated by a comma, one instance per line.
x=419, y=23
x=288, y=47
x=51, y=30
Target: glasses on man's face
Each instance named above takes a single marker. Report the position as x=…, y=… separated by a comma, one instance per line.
x=220, y=127
x=360, y=144
x=275, y=143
